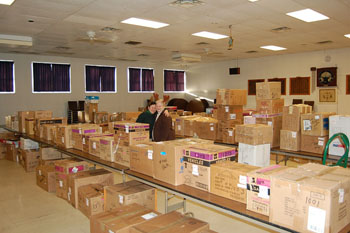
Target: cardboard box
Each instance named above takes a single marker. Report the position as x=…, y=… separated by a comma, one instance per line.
x=86, y=139
x=254, y=134
x=189, y=125
x=42, y=114
x=27, y=144
x=338, y=124
x=76, y=180
x=229, y=180
x=128, y=116
x=39, y=123
x=89, y=110
x=29, y=126
x=108, y=149
x=49, y=153
x=141, y=158
x=292, y=114
x=101, y=117
x=180, y=125
x=22, y=115
x=269, y=106
x=30, y=159
x=127, y=133
x=122, y=156
x=90, y=199
x=228, y=136
x=64, y=136
x=249, y=120
x=231, y=96
x=46, y=178
x=311, y=198
x=290, y=140
x=313, y=144
x=3, y=150
x=205, y=128
x=12, y=152
x=48, y=131
x=219, y=132
x=79, y=130
x=230, y=123
x=276, y=122
x=94, y=146
x=48, y=162
x=258, y=188
x=315, y=124
x=127, y=193
x=255, y=155
x=122, y=219
x=229, y=112
x=171, y=222
x=268, y=90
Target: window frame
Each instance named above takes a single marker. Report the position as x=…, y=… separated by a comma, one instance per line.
x=102, y=92
x=13, y=79
x=52, y=92
x=185, y=82
x=141, y=68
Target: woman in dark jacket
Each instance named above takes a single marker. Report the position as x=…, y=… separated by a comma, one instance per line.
x=148, y=116
x=162, y=129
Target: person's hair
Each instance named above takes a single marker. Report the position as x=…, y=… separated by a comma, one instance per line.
x=151, y=103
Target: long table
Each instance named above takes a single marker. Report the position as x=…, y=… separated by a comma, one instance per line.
x=215, y=202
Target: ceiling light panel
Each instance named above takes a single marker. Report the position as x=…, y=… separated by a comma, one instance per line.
x=144, y=23
x=273, y=47
x=347, y=35
x=6, y=2
x=210, y=35
x=308, y=15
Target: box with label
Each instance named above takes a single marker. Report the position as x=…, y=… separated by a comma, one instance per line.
x=256, y=155
x=231, y=96
x=30, y=159
x=38, y=125
x=49, y=153
x=22, y=115
x=42, y=114
x=79, y=130
x=108, y=148
x=180, y=125
x=254, y=134
x=91, y=199
x=89, y=110
x=141, y=158
x=12, y=152
x=229, y=180
x=269, y=106
x=127, y=133
x=171, y=222
x=249, y=120
x=27, y=144
x=229, y=112
x=290, y=140
x=86, y=139
x=101, y=117
x=228, y=136
x=311, y=200
x=205, y=128
x=189, y=125
x=46, y=178
x=64, y=136
x=338, y=124
x=275, y=121
x=121, y=219
x=258, y=188
x=313, y=144
x=315, y=124
x=122, y=156
x=49, y=131
x=94, y=146
x=76, y=180
x=292, y=114
x=268, y=90
x=29, y=126
x=127, y=193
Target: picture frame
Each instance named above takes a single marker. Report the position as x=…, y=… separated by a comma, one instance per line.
x=327, y=77
x=327, y=95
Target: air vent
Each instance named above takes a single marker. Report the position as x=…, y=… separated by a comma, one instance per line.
x=151, y=48
x=60, y=52
x=324, y=42
x=281, y=29
x=186, y=3
x=252, y=51
x=202, y=43
x=125, y=59
x=63, y=48
x=109, y=29
x=143, y=55
x=131, y=42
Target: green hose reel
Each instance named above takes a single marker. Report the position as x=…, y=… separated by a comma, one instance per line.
x=343, y=161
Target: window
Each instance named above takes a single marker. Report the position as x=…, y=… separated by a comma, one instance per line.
x=100, y=79
x=283, y=83
x=299, y=86
x=7, y=80
x=140, y=79
x=252, y=85
x=174, y=81
x=348, y=84
x=48, y=77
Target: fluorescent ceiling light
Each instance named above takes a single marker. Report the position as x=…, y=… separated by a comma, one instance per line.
x=6, y=2
x=308, y=15
x=16, y=40
x=273, y=48
x=210, y=35
x=253, y=0
x=144, y=23
x=347, y=35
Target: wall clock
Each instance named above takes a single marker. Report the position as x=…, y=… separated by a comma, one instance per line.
x=327, y=77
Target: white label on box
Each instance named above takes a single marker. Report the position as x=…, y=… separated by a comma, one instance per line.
x=69, y=190
x=39, y=172
x=316, y=219
x=74, y=169
x=243, y=179
x=149, y=216
x=121, y=199
x=211, y=128
x=263, y=192
x=127, y=129
x=195, y=170
x=341, y=195
x=179, y=127
x=226, y=109
x=307, y=125
x=87, y=201
x=294, y=134
x=230, y=133
x=62, y=139
x=242, y=186
x=233, y=116
x=269, y=123
x=83, y=140
x=290, y=109
x=110, y=231
x=150, y=154
x=61, y=183
x=317, y=117
x=320, y=143
x=68, y=196
x=94, y=145
x=80, y=131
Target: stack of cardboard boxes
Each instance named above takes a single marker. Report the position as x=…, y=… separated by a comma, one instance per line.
x=206, y=128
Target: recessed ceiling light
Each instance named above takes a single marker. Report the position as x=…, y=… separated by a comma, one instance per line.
x=308, y=15
x=6, y=2
x=347, y=35
x=253, y=0
x=273, y=48
x=210, y=35
x=145, y=23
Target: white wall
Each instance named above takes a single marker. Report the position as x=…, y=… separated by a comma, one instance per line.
x=24, y=99
x=204, y=79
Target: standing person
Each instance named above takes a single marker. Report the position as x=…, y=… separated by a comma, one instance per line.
x=162, y=129
x=148, y=117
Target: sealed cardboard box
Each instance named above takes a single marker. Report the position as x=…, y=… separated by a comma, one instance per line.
x=40, y=122
x=86, y=139
x=258, y=188
x=171, y=222
x=90, y=199
x=64, y=136
x=101, y=117
x=229, y=180
x=228, y=136
x=275, y=121
x=290, y=140
x=94, y=146
x=76, y=180
x=268, y=90
x=12, y=152
x=254, y=134
x=121, y=219
x=315, y=124
x=311, y=198
x=2, y=150
x=29, y=126
x=180, y=125
x=313, y=144
x=30, y=159
x=46, y=178
x=231, y=96
x=127, y=193
x=206, y=128
x=42, y=114
x=256, y=155
x=108, y=148
x=27, y=144
x=89, y=110
x=292, y=114
x=338, y=124
x=49, y=131
x=22, y=115
x=49, y=153
x=264, y=106
x=189, y=125
x=127, y=133
x=128, y=116
x=249, y=120
x=230, y=123
x=79, y=130
x=141, y=158
x=122, y=156
x=229, y=112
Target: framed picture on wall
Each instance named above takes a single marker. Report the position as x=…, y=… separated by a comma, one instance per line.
x=327, y=96
x=327, y=77
x=299, y=86
x=348, y=84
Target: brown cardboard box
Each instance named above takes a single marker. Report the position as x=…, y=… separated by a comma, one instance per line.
x=229, y=112
x=127, y=133
x=141, y=158
x=49, y=153
x=180, y=125
x=29, y=126
x=122, y=219
x=107, y=148
x=49, y=131
x=3, y=150
x=219, y=132
x=230, y=123
x=258, y=188
x=89, y=110
x=30, y=159
x=129, y=116
x=101, y=117
x=171, y=222
x=315, y=124
x=122, y=156
x=28, y=144
x=205, y=128
x=86, y=139
x=254, y=134
x=94, y=146
x=90, y=199
x=269, y=106
x=268, y=90
x=12, y=152
x=42, y=114
x=229, y=180
x=22, y=115
x=76, y=180
x=276, y=122
x=313, y=144
x=231, y=96
x=311, y=198
x=128, y=193
x=228, y=136
x=48, y=162
x=40, y=122
x=46, y=178
x=62, y=185
x=64, y=136
x=189, y=125
x=292, y=114
x=84, y=129
x=290, y=140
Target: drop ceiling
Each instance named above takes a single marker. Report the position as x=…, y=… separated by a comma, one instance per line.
x=60, y=26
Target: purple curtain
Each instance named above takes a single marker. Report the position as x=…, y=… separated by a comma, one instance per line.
x=6, y=76
x=107, y=75
x=61, y=77
x=42, y=75
x=174, y=80
x=147, y=80
x=134, y=79
x=180, y=80
x=92, y=74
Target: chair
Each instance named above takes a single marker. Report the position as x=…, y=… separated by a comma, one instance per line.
x=311, y=103
x=297, y=101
